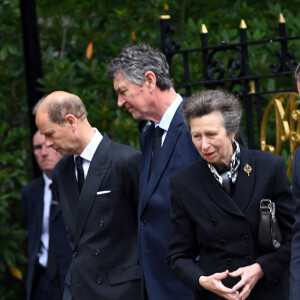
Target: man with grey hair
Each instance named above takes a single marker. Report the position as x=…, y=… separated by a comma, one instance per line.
x=140, y=75
x=97, y=185
x=295, y=253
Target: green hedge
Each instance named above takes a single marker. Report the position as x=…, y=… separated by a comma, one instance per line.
x=66, y=28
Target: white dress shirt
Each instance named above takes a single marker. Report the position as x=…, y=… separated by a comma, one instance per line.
x=167, y=118
x=89, y=152
x=43, y=254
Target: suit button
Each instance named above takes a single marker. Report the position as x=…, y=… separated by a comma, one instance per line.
x=97, y=252
x=75, y=254
x=67, y=229
x=222, y=242
x=228, y=261
x=101, y=224
x=143, y=222
x=246, y=238
x=248, y=259
x=213, y=221
x=99, y=280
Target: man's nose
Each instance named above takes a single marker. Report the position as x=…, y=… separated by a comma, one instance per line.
x=48, y=143
x=44, y=150
x=121, y=101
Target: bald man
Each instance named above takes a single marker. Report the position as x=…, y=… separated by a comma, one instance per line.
x=42, y=282
x=97, y=185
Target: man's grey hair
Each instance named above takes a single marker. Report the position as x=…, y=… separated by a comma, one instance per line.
x=61, y=106
x=134, y=61
x=297, y=73
x=205, y=102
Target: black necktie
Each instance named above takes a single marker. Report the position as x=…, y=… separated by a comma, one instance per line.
x=80, y=174
x=226, y=183
x=51, y=267
x=156, y=145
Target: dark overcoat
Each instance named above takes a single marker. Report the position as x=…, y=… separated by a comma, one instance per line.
x=213, y=232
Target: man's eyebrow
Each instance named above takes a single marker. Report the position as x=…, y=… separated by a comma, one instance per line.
x=121, y=89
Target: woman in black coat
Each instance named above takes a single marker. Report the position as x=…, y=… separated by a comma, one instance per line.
x=214, y=247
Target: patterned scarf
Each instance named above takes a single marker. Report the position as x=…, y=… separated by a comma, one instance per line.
x=233, y=168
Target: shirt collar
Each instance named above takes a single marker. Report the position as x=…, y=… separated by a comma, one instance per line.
x=167, y=118
x=92, y=146
x=47, y=180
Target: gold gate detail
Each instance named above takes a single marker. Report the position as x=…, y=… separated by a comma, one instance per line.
x=287, y=124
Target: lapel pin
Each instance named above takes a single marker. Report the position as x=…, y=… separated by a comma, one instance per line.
x=247, y=169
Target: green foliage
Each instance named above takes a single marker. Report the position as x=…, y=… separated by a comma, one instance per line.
x=66, y=28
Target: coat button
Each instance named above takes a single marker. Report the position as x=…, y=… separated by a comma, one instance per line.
x=213, y=221
x=222, y=242
x=99, y=280
x=246, y=238
x=67, y=229
x=97, y=252
x=101, y=224
x=248, y=259
x=228, y=261
x=75, y=254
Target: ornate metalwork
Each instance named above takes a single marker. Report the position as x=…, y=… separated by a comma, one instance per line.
x=216, y=67
x=227, y=66
x=287, y=124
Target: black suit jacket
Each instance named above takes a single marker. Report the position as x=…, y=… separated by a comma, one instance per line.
x=33, y=209
x=295, y=256
x=155, y=208
x=223, y=230
x=102, y=228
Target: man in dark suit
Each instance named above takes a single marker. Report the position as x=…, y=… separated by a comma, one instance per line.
x=43, y=218
x=97, y=185
x=141, y=78
x=295, y=254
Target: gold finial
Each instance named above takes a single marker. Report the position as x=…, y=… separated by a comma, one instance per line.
x=165, y=17
x=281, y=18
x=252, y=87
x=243, y=24
x=203, y=29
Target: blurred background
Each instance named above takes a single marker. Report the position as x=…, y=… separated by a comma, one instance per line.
x=76, y=40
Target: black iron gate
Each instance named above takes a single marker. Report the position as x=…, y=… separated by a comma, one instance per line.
x=235, y=75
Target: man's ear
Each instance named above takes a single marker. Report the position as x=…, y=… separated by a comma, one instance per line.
x=150, y=79
x=70, y=120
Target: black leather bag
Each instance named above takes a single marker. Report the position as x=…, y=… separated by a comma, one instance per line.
x=269, y=234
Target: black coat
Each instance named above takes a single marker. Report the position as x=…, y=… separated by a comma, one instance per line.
x=223, y=230
x=102, y=228
x=33, y=209
x=295, y=256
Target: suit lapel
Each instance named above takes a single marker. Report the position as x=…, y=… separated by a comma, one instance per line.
x=68, y=171
x=244, y=188
x=162, y=160
x=96, y=173
x=38, y=193
x=215, y=191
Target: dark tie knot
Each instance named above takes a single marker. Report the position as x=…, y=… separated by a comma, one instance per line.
x=80, y=172
x=78, y=161
x=158, y=132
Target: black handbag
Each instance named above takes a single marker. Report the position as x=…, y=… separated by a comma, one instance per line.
x=269, y=234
